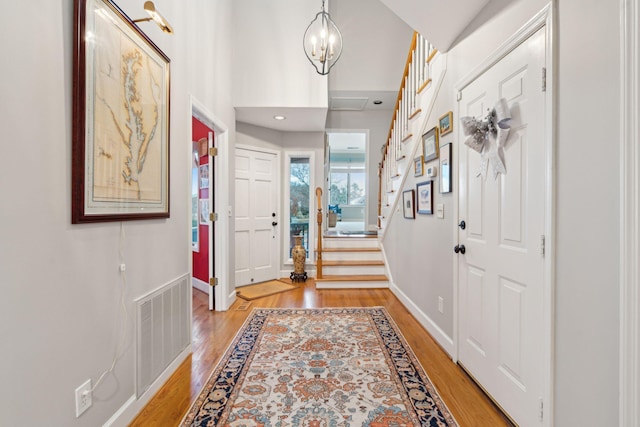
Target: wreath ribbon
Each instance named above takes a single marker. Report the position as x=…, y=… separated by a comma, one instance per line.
x=481, y=134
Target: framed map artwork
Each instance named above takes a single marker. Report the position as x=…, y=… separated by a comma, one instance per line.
x=120, y=150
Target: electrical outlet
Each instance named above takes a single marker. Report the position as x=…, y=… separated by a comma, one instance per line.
x=83, y=398
x=123, y=267
x=441, y=304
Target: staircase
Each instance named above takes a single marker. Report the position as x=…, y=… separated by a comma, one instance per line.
x=352, y=262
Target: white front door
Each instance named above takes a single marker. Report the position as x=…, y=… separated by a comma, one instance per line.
x=256, y=216
x=501, y=273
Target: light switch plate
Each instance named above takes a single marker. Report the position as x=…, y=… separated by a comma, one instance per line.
x=440, y=211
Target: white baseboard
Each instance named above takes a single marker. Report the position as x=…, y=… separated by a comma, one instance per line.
x=445, y=341
x=200, y=285
x=131, y=408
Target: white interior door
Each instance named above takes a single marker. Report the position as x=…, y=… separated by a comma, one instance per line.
x=501, y=273
x=256, y=216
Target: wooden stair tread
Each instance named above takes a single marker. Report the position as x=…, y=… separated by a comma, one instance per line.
x=350, y=249
x=351, y=263
x=353, y=278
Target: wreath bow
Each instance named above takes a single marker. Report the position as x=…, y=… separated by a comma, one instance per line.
x=494, y=127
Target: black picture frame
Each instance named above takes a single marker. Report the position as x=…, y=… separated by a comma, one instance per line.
x=408, y=209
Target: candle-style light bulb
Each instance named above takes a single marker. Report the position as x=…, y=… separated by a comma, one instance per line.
x=313, y=45
x=332, y=40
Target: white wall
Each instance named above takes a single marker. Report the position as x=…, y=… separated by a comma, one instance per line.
x=587, y=288
x=60, y=301
x=587, y=203
x=364, y=33
x=270, y=68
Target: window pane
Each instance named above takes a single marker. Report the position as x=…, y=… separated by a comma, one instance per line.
x=299, y=203
x=356, y=188
x=338, y=188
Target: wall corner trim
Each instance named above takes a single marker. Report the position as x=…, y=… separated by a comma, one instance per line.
x=629, y=375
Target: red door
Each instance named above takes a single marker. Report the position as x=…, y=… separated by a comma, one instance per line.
x=202, y=137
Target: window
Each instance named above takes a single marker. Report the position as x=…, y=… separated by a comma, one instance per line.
x=299, y=199
x=347, y=184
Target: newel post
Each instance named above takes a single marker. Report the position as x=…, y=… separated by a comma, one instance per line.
x=319, y=250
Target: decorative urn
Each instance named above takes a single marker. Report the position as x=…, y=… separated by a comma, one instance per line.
x=299, y=255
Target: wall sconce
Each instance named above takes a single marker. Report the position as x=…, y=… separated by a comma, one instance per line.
x=155, y=16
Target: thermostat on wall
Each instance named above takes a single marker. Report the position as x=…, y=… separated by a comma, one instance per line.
x=431, y=171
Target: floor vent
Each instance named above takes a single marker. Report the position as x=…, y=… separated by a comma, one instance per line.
x=163, y=330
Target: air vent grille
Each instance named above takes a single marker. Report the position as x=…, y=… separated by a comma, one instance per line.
x=348, y=103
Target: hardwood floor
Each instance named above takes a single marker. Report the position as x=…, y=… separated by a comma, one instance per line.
x=213, y=331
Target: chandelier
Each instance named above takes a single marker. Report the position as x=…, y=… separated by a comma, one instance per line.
x=322, y=42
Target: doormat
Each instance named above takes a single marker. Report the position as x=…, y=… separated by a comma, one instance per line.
x=263, y=289
x=319, y=367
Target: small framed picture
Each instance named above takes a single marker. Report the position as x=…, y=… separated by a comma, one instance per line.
x=417, y=166
x=446, y=123
x=204, y=176
x=425, y=197
x=204, y=211
x=445, y=168
x=430, y=144
x=407, y=204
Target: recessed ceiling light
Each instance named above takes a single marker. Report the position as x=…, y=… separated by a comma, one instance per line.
x=279, y=117
x=377, y=102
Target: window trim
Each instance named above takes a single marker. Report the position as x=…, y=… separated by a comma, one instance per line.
x=288, y=155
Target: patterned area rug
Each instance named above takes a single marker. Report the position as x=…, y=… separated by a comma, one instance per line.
x=319, y=367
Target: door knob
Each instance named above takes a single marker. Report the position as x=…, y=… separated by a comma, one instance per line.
x=460, y=248
x=274, y=223
x=462, y=224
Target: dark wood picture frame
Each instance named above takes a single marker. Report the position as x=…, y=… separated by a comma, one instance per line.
x=424, y=197
x=408, y=210
x=120, y=151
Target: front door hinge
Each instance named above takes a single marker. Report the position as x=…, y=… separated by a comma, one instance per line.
x=213, y=216
x=541, y=410
x=213, y=281
x=542, y=245
x=544, y=79
x=213, y=151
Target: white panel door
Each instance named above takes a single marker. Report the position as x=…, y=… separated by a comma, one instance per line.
x=501, y=273
x=256, y=219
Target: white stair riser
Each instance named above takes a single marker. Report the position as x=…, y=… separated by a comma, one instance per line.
x=350, y=243
x=329, y=270
x=352, y=256
x=352, y=284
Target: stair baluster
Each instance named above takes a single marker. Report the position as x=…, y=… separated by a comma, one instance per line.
x=319, y=250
